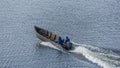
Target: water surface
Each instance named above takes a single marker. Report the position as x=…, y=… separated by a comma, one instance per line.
x=87, y=22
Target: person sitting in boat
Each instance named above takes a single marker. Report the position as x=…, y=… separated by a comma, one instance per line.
x=67, y=39
x=60, y=41
x=68, y=44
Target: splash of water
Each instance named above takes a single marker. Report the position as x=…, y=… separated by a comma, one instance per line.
x=48, y=44
x=104, y=58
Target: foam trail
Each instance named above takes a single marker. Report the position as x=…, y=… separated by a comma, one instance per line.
x=96, y=55
x=104, y=58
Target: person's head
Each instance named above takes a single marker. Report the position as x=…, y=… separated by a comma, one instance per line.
x=59, y=37
x=67, y=37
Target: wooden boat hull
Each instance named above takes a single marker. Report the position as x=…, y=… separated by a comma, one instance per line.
x=42, y=34
x=48, y=40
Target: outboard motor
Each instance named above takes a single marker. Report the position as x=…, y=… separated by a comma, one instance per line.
x=68, y=46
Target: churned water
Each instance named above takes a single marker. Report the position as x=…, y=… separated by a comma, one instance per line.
x=92, y=25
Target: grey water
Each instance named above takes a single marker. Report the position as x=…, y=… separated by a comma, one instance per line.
x=94, y=23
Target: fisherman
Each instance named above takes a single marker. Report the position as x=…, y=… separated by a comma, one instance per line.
x=67, y=40
x=68, y=43
x=60, y=41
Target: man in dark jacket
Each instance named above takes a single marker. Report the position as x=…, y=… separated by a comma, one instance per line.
x=60, y=41
x=67, y=40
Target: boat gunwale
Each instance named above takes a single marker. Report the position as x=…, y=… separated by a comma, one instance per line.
x=41, y=37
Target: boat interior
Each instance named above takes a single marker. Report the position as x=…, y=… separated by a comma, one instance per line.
x=53, y=37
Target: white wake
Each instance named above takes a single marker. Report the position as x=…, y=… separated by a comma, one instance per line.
x=102, y=57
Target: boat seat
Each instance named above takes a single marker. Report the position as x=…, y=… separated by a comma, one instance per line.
x=49, y=34
x=56, y=38
x=53, y=37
